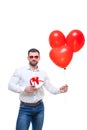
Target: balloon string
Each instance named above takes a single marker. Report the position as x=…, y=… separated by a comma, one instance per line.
x=65, y=79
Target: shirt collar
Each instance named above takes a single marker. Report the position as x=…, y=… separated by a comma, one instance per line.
x=37, y=69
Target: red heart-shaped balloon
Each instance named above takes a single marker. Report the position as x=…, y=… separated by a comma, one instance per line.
x=56, y=39
x=75, y=39
x=61, y=56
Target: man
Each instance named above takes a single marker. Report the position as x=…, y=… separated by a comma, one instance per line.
x=30, y=82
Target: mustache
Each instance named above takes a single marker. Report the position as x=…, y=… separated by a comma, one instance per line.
x=33, y=60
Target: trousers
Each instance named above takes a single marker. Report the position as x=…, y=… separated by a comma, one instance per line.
x=30, y=114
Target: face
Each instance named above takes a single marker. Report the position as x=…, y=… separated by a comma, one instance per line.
x=33, y=58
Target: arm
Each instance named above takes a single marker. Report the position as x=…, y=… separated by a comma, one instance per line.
x=15, y=83
x=55, y=90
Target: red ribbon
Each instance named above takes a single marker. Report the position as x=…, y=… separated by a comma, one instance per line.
x=35, y=79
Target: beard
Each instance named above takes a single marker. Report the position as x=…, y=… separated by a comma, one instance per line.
x=33, y=63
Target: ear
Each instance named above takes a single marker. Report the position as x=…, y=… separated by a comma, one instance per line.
x=39, y=57
x=28, y=57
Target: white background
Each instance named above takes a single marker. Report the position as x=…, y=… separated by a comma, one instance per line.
x=25, y=24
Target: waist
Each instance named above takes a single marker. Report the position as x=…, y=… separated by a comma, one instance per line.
x=31, y=104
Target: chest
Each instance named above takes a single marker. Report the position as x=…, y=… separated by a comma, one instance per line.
x=32, y=77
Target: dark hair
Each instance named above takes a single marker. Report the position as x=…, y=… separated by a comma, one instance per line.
x=33, y=50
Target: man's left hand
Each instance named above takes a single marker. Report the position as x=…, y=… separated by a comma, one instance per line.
x=64, y=89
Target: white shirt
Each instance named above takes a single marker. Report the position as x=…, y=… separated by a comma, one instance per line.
x=22, y=78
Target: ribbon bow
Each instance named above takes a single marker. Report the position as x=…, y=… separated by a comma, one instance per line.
x=35, y=80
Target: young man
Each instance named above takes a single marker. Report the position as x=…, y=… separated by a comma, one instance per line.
x=29, y=82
